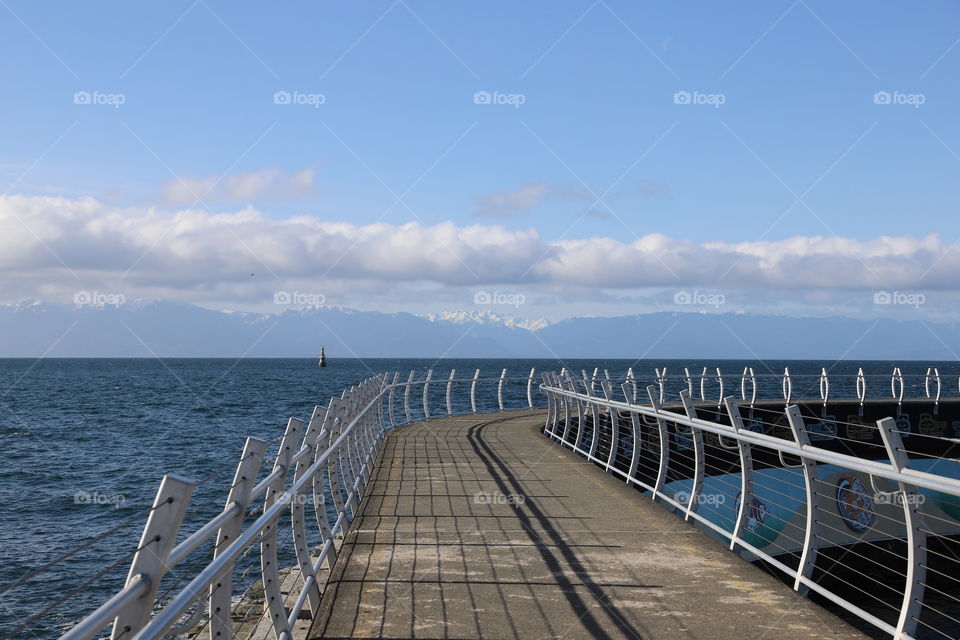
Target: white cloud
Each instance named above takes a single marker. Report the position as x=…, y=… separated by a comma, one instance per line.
x=195, y=255
x=266, y=184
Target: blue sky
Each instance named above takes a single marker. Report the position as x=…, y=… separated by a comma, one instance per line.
x=599, y=148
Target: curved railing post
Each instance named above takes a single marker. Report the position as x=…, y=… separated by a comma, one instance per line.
x=787, y=385
x=453, y=373
x=426, y=394
x=348, y=450
x=824, y=389
x=298, y=514
x=393, y=388
x=572, y=386
x=664, y=463
x=916, y=535
x=661, y=382
x=567, y=413
x=614, y=425
x=896, y=388
x=408, y=412
x=720, y=394
x=473, y=391
x=632, y=398
x=319, y=497
x=748, y=377
x=335, y=471
x=551, y=423
x=533, y=370
x=221, y=591
x=273, y=599
x=861, y=389
x=699, y=459
x=503, y=377
x=746, y=473
x=933, y=373
x=628, y=390
x=812, y=535
x=149, y=564
x=595, y=431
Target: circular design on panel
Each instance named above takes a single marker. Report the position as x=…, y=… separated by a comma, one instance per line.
x=754, y=515
x=854, y=503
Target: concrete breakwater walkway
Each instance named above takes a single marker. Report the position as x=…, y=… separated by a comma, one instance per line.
x=481, y=527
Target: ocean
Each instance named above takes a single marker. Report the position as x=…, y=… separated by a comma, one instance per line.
x=87, y=441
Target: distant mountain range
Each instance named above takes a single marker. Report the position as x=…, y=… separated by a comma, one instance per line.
x=170, y=329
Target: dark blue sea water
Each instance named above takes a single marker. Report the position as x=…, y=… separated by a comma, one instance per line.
x=108, y=429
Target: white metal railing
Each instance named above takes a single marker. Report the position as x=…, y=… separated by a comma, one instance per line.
x=323, y=464
x=789, y=506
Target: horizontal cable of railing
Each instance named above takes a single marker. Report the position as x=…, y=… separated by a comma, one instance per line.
x=784, y=513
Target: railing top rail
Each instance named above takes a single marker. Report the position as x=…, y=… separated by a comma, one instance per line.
x=873, y=467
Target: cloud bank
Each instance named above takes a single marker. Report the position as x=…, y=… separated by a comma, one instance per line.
x=52, y=245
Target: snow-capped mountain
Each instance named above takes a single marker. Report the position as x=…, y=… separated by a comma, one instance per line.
x=486, y=317
x=173, y=329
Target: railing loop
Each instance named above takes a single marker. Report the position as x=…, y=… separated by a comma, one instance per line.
x=453, y=374
x=503, y=378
